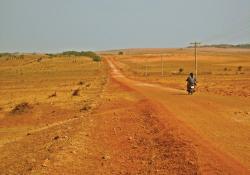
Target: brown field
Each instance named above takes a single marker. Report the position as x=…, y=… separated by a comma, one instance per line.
x=217, y=68
x=70, y=115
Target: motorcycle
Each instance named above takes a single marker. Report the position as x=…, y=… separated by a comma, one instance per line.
x=190, y=89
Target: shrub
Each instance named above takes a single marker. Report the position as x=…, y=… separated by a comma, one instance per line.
x=80, y=83
x=76, y=92
x=240, y=68
x=96, y=58
x=21, y=108
x=49, y=55
x=181, y=70
x=52, y=95
x=21, y=56
x=5, y=54
x=89, y=54
x=120, y=53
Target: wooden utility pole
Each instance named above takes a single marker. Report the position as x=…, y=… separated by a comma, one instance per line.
x=162, y=71
x=195, y=44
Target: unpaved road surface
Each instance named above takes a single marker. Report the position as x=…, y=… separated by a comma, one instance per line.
x=208, y=121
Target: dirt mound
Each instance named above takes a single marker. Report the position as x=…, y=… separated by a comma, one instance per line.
x=21, y=108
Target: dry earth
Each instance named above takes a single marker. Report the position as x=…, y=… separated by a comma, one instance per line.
x=117, y=125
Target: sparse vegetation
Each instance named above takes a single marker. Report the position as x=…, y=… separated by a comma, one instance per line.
x=181, y=70
x=120, y=53
x=86, y=107
x=39, y=59
x=52, y=95
x=49, y=55
x=76, y=92
x=239, y=68
x=89, y=54
x=5, y=54
x=21, y=108
x=96, y=58
x=243, y=46
x=88, y=85
x=80, y=83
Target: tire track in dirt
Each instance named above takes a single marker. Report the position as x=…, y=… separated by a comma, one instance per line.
x=210, y=160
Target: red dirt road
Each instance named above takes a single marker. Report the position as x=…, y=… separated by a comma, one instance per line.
x=220, y=140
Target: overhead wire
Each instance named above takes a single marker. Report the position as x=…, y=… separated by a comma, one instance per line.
x=243, y=30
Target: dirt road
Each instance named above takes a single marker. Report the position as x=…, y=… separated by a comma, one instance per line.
x=208, y=121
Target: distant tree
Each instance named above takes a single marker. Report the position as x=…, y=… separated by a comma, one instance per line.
x=96, y=58
x=120, y=53
x=89, y=54
x=21, y=57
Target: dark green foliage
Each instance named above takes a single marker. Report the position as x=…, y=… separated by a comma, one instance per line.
x=244, y=46
x=96, y=58
x=71, y=53
x=5, y=54
x=49, y=55
x=89, y=54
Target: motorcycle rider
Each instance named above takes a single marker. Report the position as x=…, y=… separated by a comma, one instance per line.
x=191, y=81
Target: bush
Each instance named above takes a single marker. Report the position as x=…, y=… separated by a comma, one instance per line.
x=89, y=54
x=21, y=108
x=181, y=70
x=96, y=58
x=76, y=92
x=49, y=55
x=240, y=68
x=5, y=54
x=120, y=53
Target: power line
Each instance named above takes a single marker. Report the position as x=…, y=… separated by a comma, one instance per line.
x=243, y=29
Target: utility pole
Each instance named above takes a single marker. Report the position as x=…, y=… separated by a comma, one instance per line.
x=195, y=44
x=162, y=71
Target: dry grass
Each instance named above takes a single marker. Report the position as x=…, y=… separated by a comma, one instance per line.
x=221, y=71
x=46, y=84
x=33, y=82
x=21, y=108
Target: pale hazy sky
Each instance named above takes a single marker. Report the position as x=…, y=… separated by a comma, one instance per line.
x=56, y=25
